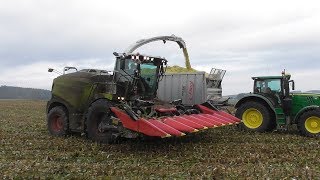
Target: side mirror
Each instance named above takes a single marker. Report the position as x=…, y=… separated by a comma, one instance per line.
x=292, y=84
x=55, y=71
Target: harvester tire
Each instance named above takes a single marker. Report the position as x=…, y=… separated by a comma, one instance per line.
x=309, y=123
x=255, y=117
x=57, y=121
x=98, y=112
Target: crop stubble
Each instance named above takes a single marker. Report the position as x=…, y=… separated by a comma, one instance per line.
x=27, y=150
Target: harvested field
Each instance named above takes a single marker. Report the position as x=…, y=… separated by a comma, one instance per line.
x=28, y=151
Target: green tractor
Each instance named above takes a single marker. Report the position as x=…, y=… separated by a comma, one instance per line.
x=271, y=106
x=108, y=105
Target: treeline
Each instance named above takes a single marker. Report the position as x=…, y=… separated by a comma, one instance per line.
x=11, y=92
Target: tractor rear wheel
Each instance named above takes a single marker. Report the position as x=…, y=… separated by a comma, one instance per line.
x=57, y=121
x=255, y=116
x=309, y=123
x=98, y=118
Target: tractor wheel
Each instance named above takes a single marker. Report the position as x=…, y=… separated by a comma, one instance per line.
x=57, y=121
x=309, y=123
x=99, y=116
x=255, y=117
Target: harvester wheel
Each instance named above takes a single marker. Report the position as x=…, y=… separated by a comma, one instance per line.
x=98, y=116
x=57, y=121
x=255, y=116
x=309, y=123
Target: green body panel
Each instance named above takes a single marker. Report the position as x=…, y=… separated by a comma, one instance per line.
x=107, y=96
x=76, y=91
x=76, y=88
x=302, y=102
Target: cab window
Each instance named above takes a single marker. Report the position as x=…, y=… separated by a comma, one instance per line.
x=268, y=86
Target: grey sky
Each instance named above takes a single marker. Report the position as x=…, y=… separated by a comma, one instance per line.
x=247, y=38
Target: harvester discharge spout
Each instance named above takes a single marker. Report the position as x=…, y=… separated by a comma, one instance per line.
x=173, y=38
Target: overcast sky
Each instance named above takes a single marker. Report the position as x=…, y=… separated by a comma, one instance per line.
x=247, y=38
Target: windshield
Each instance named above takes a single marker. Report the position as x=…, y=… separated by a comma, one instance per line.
x=148, y=73
x=128, y=66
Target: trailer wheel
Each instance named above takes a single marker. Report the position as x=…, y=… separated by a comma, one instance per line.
x=57, y=121
x=255, y=116
x=99, y=116
x=309, y=123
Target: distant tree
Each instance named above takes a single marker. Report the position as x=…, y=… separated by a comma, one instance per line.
x=11, y=92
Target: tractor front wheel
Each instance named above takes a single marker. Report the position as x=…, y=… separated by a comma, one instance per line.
x=57, y=121
x=255, y=117
x=99, y=122
x=309, y=123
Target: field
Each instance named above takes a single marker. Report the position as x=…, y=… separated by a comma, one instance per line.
x=27, y=151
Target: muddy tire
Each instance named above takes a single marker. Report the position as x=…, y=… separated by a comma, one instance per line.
x=57, y=121
x=255, y=117
x=309, y=123
x=99, y=113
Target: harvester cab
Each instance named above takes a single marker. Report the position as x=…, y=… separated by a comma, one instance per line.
x=272, y=106
x=107, y=106
x=138, y=75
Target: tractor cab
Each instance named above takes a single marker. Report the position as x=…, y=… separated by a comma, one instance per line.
x=269, y=86
x=138, y=75
x=276, y=89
